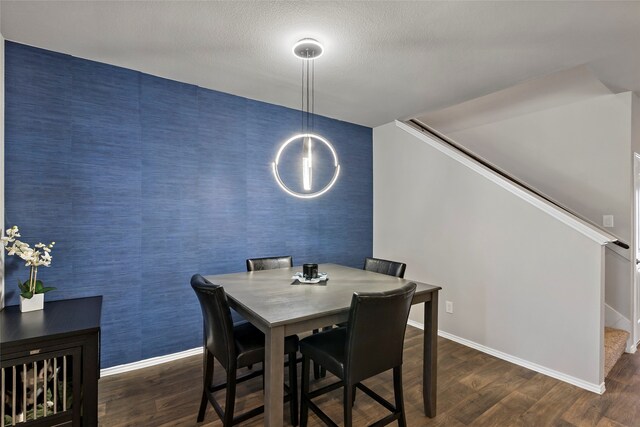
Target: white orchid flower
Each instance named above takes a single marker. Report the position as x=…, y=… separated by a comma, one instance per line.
x=25, y=254
x=34, y=257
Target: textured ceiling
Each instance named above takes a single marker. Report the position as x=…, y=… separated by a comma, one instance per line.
x=564, y=87
x=383, y=60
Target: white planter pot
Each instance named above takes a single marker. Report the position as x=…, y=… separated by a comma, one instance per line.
x=34, y=303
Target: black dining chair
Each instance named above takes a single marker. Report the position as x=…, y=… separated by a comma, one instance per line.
x=371, y=343
x=234, y=346
x=269, y=263
x=383, y=266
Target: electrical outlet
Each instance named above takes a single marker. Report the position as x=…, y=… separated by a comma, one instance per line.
x=607, y=221
x=449, y=306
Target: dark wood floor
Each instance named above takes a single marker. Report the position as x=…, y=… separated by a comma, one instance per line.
x=473, y=389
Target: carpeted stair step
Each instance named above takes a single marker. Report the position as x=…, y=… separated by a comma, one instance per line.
x=615, y=342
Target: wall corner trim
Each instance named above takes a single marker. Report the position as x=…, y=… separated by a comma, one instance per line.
x=153, y=361
x=583, y=227
x=592, y=387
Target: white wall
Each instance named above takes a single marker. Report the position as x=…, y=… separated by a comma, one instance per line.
x=580, y=155
x=2, y=166
x=542, y=93
x=635, y=119
x=635, y=143
x=523, y=284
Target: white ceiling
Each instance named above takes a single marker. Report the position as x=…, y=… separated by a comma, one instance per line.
x=561, y=88
x=383, y=60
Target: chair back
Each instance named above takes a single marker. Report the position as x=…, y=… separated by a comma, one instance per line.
x=383, y=266
x=375, y=332
x=255, y=264
x=218, y=326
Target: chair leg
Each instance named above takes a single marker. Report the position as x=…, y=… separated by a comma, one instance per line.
x=304, y=392
x=203, y=406
x=318, y=371
x=316, y=368
x=321, y=372
x=293, y=389
x=397, y=391
x=230, y=401
x=207, y=378
x=347, y=403
x=353, y=397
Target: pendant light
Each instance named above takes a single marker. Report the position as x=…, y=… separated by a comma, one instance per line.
x=308, y=50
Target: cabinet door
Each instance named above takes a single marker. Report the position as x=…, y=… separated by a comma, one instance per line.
x=41, y=388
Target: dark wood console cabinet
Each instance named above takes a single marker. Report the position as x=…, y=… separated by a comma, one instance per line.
x=65, y=334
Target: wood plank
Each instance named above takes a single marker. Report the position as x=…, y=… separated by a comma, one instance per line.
x=625, y=408
x=590, y=408
x=550, y=407
x=607, y=422
x=499, y=382
x=169, y=394
x=501, y=414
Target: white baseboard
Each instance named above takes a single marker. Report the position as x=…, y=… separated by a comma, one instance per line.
x=596, y=388
x=149, y=362
x=415, y=324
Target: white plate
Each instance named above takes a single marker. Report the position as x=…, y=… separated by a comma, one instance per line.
x=300, y=278
x=318, y=280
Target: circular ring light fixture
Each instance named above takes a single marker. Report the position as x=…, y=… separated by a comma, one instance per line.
x=334, y=178
x=308, y=49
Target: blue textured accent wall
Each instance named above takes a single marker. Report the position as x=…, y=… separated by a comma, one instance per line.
x=144, y=181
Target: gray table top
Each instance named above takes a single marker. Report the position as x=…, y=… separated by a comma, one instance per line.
x=270, y=297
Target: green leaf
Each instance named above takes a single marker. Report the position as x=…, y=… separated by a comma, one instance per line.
x=23, y=286
x=26, y=294
x=39, y=287
x=45, y=290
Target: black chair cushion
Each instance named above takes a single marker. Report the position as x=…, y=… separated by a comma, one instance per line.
x=327, y=349
x=250, y=344
x=256, y=264
x=383, y=266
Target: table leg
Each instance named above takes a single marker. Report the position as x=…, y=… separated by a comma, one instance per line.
x=274, y=377
x=430, y=356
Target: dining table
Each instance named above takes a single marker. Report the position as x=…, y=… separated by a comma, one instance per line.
x=280, y=306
